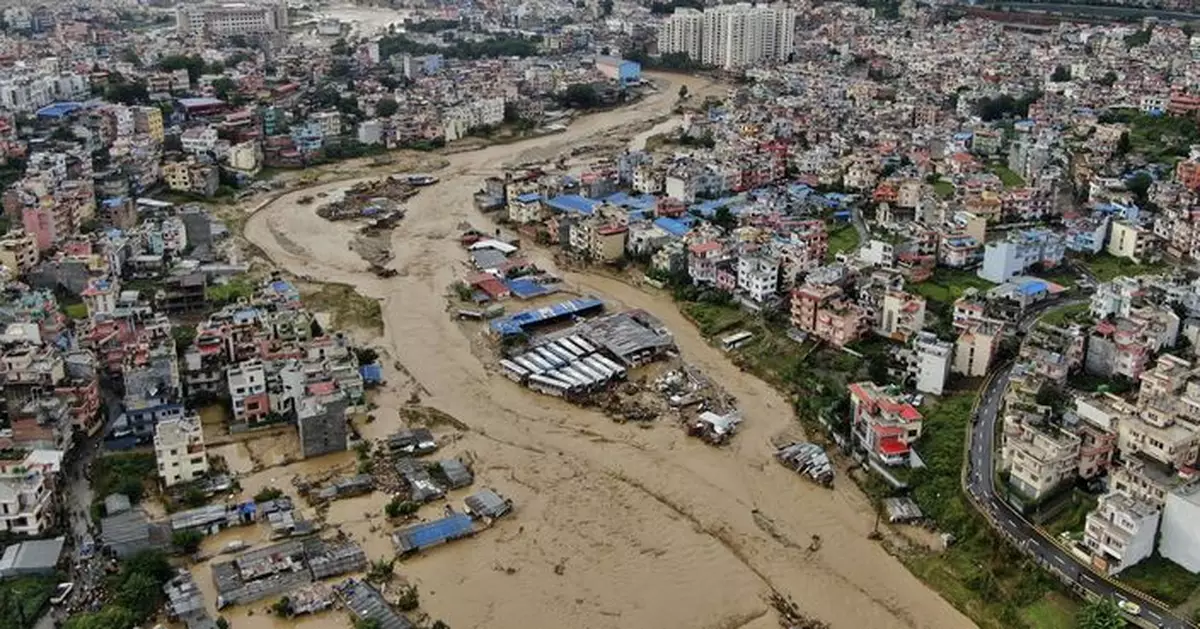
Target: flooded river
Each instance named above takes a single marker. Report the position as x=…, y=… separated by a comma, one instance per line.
x=616, y=526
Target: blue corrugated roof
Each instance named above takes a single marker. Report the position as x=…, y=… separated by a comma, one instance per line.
x=1032, y=287
x=529, y=197
x=573, y=203
x=515, y=323
x=671, y=226
x=58, y=110
x=525, y=288
x=438, y=531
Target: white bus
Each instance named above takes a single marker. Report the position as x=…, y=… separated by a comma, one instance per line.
x=513, y=371
x=735, y=340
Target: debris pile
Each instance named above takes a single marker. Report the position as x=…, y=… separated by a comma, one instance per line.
x=378, y=200
x=808, y=459
x=790, y=616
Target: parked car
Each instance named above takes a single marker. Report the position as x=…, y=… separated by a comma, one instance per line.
x=61, y=592
x=1129, y=607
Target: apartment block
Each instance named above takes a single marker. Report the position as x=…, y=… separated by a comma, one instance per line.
x=179, y=450
x=323, y=424
x=975, y=348
x=901, y=315
x=928, y=361
x=1019, y=252
x=825, y=313
x=882, y=425
x=1180, y=537
x=758, y=277
x=247, y=386
x=27, y=488
x=1132, y=241
x=1039, y=457
x=1120, y=532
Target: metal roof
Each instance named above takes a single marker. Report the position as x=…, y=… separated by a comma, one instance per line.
x=365, y=602
x=428, y=534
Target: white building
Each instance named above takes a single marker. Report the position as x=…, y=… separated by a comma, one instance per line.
x=330, y=123
x=199, y=140
x=739, y=35
x=26, y=492
x=758, y=277
x=179, y=450
x=246, y=157
x=247, y=383
x=1180, y=541
x=1039, y=459
x=370, y=132
x=1120, y=532
x=929, y=365
x=1013, y=256
x=878, y=252
x=682, y=33
x=231, y=19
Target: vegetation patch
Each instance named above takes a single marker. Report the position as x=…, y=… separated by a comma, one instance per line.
x=124, y=473
x=348, y=308
x=22, y=600
x=1161, y=578
x=1007, y=176
x=842, y=239
x=1106, y=267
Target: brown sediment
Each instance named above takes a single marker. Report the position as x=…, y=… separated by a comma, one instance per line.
x=658, y=530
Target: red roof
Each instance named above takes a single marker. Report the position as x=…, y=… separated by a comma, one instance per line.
x=493, y=287
x=322, y=388
x=892, y=447
x=704, y=247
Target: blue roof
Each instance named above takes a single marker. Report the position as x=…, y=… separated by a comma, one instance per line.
x=58, y=110
x=672, y=226
x=515, y=323
x=529, y=197
x=573, y=203
x=525, y=288
x=200, y=102
x=641, y=202
x=371, y=373
x=1033, y=287
x=438, y=531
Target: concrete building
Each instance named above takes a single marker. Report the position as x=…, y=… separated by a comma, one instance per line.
x=682, y=33
x=247, y=386
x=1120, y=532
x=1180, y=540
x=179, y=450
x=741, y=35
x=222, y=20
x=1131, y=241
x=1020, y=251
x=881, y=425
x=975, y=348
x=1039, y=458
x=901, y=315
x=27, y=493
x=323, y=424
x=928, y=362
x=758, y=277
x=18, y=252
x=824, y=312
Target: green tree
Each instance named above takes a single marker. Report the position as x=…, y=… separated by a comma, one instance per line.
x=1061, y=74
x=268, y=493
x=367, y=623
x=724, y=218
x=1123, y=144
x=187, y=541
x=580, y=96
x=194, y=64
x=224, y=87
x=139, y=593
x=108, y=617
x=1101, y=613
x=386, y=106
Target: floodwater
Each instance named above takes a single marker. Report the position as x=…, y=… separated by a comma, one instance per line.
x=615, y=525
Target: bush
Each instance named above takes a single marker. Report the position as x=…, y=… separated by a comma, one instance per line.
x=187, y=541
x=400, y=508
x=409, y=600
x=283, y=608
x=268, y=493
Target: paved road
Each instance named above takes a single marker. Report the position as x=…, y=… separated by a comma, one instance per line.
x=981, y=485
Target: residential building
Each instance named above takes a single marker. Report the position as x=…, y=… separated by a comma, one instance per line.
x=1038, y=456
x=682, y=32
x=18, y=252
x=828, y=315
x=179, y=450
x=192, y=176
x=901, y=315
x=199, y=141
x=1120, y=532
x=247, y=386
x=1019, y=252
x=758, y=277
x=975, y=348
x=323, y=424
x=1180, y=537
x=223, y=20
x=928, y=362
x=27, y=490
x=1124, y=346
x=882, y=425
x=1132, y=241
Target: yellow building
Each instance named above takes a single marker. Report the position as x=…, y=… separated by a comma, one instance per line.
x=1130, y=241
x=149, y=120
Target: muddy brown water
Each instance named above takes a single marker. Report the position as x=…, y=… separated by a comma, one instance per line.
x=615, y=526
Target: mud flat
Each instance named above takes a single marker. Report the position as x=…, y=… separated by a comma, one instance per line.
x=615, y=526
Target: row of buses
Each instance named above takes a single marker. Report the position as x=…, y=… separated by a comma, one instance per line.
x=563, y=367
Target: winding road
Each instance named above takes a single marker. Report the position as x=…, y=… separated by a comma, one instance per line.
x=980, y=485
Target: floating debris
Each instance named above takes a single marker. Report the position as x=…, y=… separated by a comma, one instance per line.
x=808, y=459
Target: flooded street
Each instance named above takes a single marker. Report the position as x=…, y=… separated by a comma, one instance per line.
x=615, y=525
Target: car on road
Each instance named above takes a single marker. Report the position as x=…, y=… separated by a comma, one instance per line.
x=1129, y=607
x=61, y=592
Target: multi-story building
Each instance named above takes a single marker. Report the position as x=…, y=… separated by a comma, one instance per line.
x=928, y=361
x=1180, y=537
x=824, y=312
x=231, y=19
x=975, y=348
x=323, y=424
x=758, y=277
x=1039, y=458
x=26, y=493
x=199, y=140
x=247, y=386
x=1120, y=532
x=192, y=176
x=1053, y=352
x=1132, y=241
x=682, y=33
x=179, y=450
x=1020, y=251
x=882, y=425
x=18, y=252
x=901, y=315
x=1124, y=346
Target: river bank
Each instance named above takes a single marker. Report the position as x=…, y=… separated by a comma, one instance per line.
x=649, y=528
